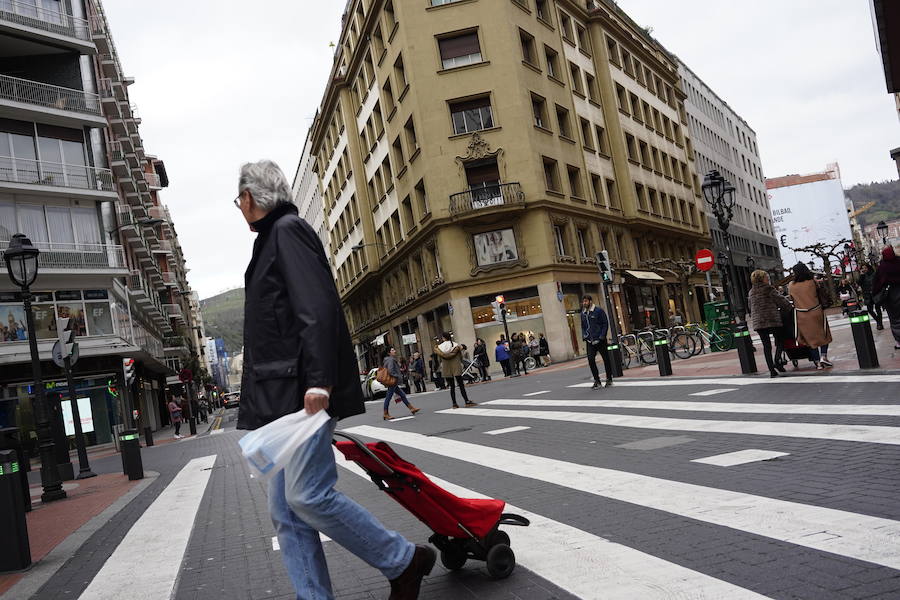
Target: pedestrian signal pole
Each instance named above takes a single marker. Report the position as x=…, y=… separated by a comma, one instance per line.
x=499, y=308
x=68, y=352
x=606, y=278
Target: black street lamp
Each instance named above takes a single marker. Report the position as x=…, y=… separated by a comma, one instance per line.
x=360, y=246
x=22, y=267
x=719, y=195
x=144, y=222
x=882, y=230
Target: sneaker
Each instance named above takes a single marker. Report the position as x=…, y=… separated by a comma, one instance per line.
x=596, y=385
x=406, y=586
x=879, y=327
x=609, y=383
x=825, y=363
x=471, y=404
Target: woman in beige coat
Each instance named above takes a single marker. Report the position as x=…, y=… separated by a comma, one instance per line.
x=451, y=367
x=810, y=300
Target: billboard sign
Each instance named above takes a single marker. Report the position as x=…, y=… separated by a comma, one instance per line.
x=84, y=411
x=807, y=214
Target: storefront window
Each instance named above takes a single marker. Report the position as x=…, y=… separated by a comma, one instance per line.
x=90, y=311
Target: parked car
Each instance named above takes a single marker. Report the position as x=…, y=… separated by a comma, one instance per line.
x=231, y=399
x=371, y=388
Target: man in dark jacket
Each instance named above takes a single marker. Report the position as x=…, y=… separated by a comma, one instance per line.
x=594, y=327
x=866, y=283
x=298, y=355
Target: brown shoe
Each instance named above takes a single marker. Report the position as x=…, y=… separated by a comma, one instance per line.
x=387, y=416
x=406, y=587
x=471, y=404
x=414, y=410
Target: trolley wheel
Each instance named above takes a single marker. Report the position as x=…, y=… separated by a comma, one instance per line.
x=453, y=557
x=795, y=363
x=501, y=561
x=497, y=537
x=530, y=363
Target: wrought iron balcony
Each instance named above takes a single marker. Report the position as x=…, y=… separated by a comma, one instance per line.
x=491, y=196
x=175, y=341
x=46, y=95
x=38, y=172
x=77, y=257
x=31, y=15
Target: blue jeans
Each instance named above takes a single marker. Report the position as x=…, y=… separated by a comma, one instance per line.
x=818, y=352
x=394, y=389
x=303, y=502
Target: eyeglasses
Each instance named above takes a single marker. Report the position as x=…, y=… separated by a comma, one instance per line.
x=237, y=200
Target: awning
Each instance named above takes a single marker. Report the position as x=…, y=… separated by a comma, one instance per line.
x=645, y=275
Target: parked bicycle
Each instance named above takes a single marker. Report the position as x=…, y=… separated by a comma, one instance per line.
x=719, y=340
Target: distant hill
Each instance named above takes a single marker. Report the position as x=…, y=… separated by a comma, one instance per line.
x=885, y=194
x=223, y=316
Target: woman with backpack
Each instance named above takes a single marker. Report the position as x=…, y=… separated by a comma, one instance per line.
x=389, y=375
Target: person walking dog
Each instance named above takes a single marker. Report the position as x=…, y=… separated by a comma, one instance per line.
x=298, y=355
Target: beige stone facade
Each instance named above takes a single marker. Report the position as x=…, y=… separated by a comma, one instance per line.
x=485, y=147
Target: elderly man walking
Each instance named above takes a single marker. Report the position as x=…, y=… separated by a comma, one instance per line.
x=298, y=355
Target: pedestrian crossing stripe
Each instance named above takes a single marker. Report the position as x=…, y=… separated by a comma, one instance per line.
x=589, y=566
x=884, y=410
x=791, y=379
x=741, y=457
x=862, y=537
x=873, y=434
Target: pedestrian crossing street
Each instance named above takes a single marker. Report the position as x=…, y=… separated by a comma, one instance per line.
x=592, y=566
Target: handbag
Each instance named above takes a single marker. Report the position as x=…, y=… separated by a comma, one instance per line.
x=383, y=377
x=881, y=297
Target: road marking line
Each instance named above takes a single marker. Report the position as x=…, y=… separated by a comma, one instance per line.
x=873, y=434
x=395, y=419
x=665, y=382
x=215, y=431
x=276, y=546
x=885, y=410
x=537, y=393
x=871, y=539
x=589, y=566
x=713, y=392
x=148, y=559
x=740, y=457
x=507, y=430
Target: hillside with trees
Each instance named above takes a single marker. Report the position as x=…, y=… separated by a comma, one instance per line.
x=223, y=316
x=885, y=194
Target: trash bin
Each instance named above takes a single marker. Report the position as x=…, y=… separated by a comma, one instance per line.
x=15, y=551
x=148, y=436
x=9, y=440
x=132, y=465
x=717, y=315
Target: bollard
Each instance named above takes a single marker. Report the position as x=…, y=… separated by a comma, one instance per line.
x=148, y=436
x=15, y=552
x=615, y=355
x=9, y=440
x=862, y=339
x=131, y=454
x=744, y=346
x=663, y=360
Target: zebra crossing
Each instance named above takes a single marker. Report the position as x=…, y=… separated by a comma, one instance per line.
x=593, y=566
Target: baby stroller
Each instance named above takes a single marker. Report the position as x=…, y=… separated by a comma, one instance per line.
x=463, y=528
x=470, y=372
x=793, y=351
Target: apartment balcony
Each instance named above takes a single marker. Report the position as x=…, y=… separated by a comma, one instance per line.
x=153, y=181
x=19, y=175
x=165, y=247
x=488, y=200
x=78, y=259
x=26, y=21
x=173, y=311
x=27, y=100
x=176, y=344
x=169, y=278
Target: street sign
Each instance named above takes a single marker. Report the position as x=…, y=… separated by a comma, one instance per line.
x=59, y=359
x=704, y=260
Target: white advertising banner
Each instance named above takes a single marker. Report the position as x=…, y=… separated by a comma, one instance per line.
x=84, y=411
x=409, y=338
x=806, y=214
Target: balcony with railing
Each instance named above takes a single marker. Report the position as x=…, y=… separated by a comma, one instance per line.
x=169, y=278
x=487, y=199
x=173, y=311
x=164, y=247
x=66, y=258
x=70, y=180
x=175, y=344
x=24, y=99
x=30, y=18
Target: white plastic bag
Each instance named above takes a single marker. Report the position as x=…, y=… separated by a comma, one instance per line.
x=269, y=448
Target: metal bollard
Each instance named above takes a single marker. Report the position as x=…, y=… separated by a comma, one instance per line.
x=131, y=454
x=9, y=440
x=744, y=346
x=862, y=339
x=15, y=552
x=148, y=436
x=663, y=360
x=615, y=355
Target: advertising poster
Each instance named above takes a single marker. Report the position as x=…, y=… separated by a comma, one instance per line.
x=492, y=247
x=84, y=411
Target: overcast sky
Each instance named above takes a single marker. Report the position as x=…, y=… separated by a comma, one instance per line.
x=222, y=82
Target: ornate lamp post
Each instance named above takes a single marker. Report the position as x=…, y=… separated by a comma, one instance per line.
x=882, y=230
x=22, y=267
x=719, y=195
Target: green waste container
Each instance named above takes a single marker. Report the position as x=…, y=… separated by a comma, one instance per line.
x=717, y=315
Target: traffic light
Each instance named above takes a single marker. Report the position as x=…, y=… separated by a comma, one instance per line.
x=498, y=311
x=66, y=337
x=128, y=365
x=603, y=265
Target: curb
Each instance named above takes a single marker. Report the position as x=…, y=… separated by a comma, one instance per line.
x=41, y=572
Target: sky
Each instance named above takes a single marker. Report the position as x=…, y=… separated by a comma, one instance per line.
x=220, y=83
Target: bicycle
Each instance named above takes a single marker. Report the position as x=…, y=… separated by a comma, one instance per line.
x=720, y=340
x=627, y=344
x=681, y=344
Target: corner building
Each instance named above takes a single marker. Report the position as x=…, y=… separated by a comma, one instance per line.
x=484, y=147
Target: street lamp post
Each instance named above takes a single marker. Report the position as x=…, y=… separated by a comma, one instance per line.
x=22, y=267
x=144, y=222
x=719, y=195
x=882, y=230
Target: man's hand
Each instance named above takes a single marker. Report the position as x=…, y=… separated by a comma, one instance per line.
x=314, y=402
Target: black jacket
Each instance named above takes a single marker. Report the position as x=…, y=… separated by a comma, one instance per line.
x=295, y=334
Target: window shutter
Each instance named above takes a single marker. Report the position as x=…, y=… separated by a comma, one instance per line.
x=461, y=45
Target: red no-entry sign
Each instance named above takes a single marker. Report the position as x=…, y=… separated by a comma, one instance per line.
x=704, y=260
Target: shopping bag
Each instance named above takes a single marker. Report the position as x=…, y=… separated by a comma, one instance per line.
x=269, y=448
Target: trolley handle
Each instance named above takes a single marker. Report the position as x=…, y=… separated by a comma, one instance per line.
x=365, y=450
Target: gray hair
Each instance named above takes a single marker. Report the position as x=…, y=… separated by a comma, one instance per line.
x=266, y=183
